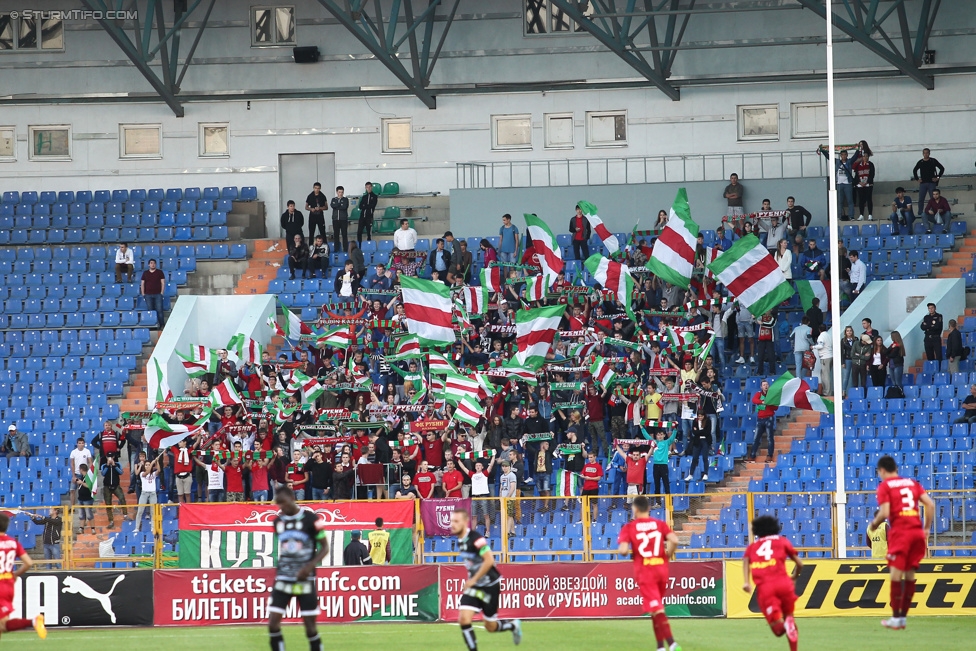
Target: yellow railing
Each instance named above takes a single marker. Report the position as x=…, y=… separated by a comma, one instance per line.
x=538, y=529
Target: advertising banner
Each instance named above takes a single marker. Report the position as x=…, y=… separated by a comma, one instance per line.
x=348, y=594
x=436, y=514
x=601, y=590
x=836, y=588
x=86, y=598
x=240, y=535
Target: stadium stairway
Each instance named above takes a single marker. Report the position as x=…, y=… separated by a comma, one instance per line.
x=262, y=267
x=720, y=496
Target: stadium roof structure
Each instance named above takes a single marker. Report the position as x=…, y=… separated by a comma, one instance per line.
x=408, y=38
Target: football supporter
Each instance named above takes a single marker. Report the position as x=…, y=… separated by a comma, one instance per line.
x=899, y=499
x=650, y=542
x=10, y=551
x=592, y=474
x=765, y=559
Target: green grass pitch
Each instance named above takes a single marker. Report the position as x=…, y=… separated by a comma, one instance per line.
x=940, y=634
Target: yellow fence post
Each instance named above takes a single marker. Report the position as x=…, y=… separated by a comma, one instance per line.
x=68, y=537
x=419, y=528
x=587, y=538
x=506, y=523
x=751, y=511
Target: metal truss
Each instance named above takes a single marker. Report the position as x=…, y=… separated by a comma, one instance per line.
x=150, y=27
x=860, y=20
x=384, y=36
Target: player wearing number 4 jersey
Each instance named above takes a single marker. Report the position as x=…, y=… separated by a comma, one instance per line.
x=651, y=543
x=899, y=499
x=483, y=587
x=10, y=551
x=766, y=558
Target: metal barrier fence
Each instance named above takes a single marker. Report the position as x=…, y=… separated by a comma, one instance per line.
x=644, y=169
x=525, y=529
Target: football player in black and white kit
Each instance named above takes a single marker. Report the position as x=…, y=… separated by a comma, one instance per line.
x=298, y=532
x=483, y=587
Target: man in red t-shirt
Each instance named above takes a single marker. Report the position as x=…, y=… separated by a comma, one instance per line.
x=434, y=450
x=183, y=471
x=234, y=477
x=295, y=475
x=451, y=480
x=651, y=543
x=766, y=558
x=425, y=482
x=592, y=474
x=898, y=503
x=10, y=551
x=636, y=473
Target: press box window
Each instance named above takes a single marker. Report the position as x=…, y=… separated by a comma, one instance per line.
x=511, y=132
x=140, y=140
x=30, y=34
x=606, y=129
x=271, y=26
x=214, y=141
x=397, y=134
x=559, y=130
x=50, y=142
x=809, y=120
x=8, y=138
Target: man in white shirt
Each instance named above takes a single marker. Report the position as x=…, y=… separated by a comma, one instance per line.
x=80, y=455
x=124, y=263
x=405, y=239
x=858, y=276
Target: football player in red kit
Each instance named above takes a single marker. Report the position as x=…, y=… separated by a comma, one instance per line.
x=10, y=551
x=651, y=543
x=765, y=559
x=898, y=503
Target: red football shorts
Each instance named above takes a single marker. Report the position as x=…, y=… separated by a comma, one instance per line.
x=6, y=610
x=906, y=550
x=653, y=586
x=776, y=599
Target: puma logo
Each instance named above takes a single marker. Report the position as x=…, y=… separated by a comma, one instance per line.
x=74, y=585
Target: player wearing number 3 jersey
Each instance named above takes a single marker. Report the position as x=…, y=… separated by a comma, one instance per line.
x=765, y=559
x=899, y=499
x=651, y=543
x=10, y=552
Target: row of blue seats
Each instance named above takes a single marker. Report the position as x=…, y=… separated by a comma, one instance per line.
x=21, y=402
x=903, y=255
x=937, y=373
x=49, y=291
x=97, y=414
x=941, y=241
x=70, y=336
x=152, y=207
x=247, y=193
x=898, y=270
x=56, y=253
x=114, y=220
x=49, y=422
x=40, y=321
x=69, y=362
x=85, y=304
x=75, y=388
x=96, y=235
x=886, y=229
x=63, y=375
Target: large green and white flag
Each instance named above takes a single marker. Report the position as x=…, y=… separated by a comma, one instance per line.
x=428, y=309
x=811, y=289
x=789, y=391
x=534, y=334
x=673, y=256
x=614, y=277
x=548, y=254
x=752, y=276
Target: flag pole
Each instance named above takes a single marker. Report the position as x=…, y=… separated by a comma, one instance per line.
x=833, y=228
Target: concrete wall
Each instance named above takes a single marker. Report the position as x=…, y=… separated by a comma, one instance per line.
x=479, y=211
x=206, y=321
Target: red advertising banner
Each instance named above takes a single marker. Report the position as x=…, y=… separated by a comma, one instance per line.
x=348, y=594
x=603, y=590
x=337, y=515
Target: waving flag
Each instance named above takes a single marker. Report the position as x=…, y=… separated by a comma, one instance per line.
x=492, y=279
x=339, y=337
x=614, y=277
x=225, y=395
x=548, y=254
x=428, y=309
x=811, y=289
x=609, y=239
x=308, y=386
x=457, y=386
x=476, y=300
x=752, y=276
x=359, y=378
x=163, y=392
x=201, y=361
x=408, y=347
x=161, y=434
x=635, y=410
x=247, y=350
x=294, y=327
x=673, y=255
x=536, y=288
x=439, y=364
x=91, y=477
x=521, y=373
x=567, y=484
x=534, y=333
x=469, y=411
x=789, y=391
x=602, y=373
x=583, y=350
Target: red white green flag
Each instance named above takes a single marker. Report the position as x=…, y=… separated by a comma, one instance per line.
x=469, y=411
x=614, y=277
x=548, y=254
x=439, y=364
x=673, y=256
x=534, y=334
x=225, y=395
x=602, y=373
x=492, y=279
x=200, y=361
x=247, y=350
x=309, y=387
x=161, y=434
x=609, y=239
x=811, y=289
x=476, y=299
x=536, y=288
x=339, y=337
x=428, y=309
x=752, y=276
x=567, y=484
x=789, y=391
x=163, y=392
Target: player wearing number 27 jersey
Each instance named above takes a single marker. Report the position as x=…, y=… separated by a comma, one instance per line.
x=766, y=559
x=899, y=501
x=10, y=552
x=651, y=543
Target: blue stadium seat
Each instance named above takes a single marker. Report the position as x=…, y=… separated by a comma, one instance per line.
x=249, y=193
